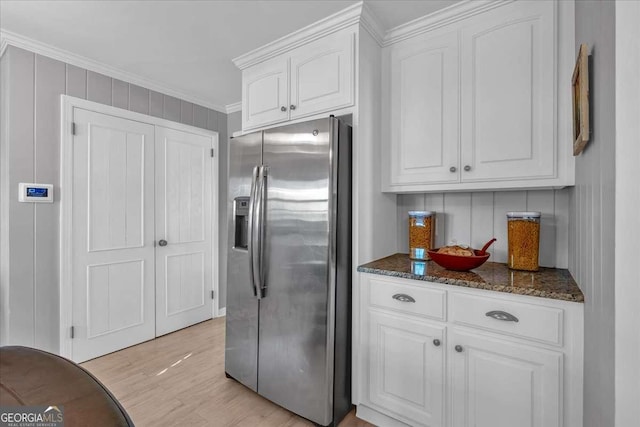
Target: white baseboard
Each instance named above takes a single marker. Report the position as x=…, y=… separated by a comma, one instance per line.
x=372, y=416
x=222, y=312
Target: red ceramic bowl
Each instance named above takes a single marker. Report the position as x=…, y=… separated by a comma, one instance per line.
x=458, y=262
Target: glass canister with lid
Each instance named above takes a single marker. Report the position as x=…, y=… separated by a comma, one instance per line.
x=523, y=235
x=422, y=225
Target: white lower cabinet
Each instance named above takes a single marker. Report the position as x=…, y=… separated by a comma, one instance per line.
x=495, y=383
x=407, y=367
x=462, y=365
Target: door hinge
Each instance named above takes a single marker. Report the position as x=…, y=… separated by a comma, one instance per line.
x=213, y=294
x=213, y=152
x=73, y=332
x=73, y=128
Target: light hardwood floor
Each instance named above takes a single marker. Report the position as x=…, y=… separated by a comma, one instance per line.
x=178, y=380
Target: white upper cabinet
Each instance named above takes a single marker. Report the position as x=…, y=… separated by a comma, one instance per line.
x=424, y=110
x=507, y=63
x=322, y=75
x=265, y=93
x=310, y=79
x=480, y=103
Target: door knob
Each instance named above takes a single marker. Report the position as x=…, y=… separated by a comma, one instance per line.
x=292, y=107
x=467, y=168
x=458, y=348
x=436, y=342
x=283, y=108
x=453, y=169
x=162, y=243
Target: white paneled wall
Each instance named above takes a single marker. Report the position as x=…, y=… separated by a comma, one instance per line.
x=30, y=146
x=474, y=218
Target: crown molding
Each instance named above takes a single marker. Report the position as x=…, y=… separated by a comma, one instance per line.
x=369, y=21
x=440, y=18
x=233, y=108
x=332, y=23
x=9, y=38
x=4, y=43
x=361, y=13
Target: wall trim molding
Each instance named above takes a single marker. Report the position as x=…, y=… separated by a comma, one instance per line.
x=358, y=13
x=361, y=13
x=233, y=108
x=369, y=21
x=9, y=38
x=4, y=43
x=332, y=23
x=440, y=18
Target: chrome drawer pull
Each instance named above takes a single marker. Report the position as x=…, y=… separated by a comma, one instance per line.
x=403, y=298
x=502, y=315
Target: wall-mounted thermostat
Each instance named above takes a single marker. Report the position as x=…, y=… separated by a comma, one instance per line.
x=38, y=193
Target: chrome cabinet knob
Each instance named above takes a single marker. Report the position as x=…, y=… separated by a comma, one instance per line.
x=467, y=168
x=283, y=108
x=162, y=243
x=453, y=169
x=436, y=342
x=458, y=348
x=292, y=107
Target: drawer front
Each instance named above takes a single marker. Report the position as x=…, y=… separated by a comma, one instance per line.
x=530, y=321
x=411, y=299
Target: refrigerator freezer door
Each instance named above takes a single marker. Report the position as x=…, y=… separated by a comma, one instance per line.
x=296, y=313
x=241, y=354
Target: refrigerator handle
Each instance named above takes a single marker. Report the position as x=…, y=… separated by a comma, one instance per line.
x=251, y=224
x=257, y=233
x=262, y=175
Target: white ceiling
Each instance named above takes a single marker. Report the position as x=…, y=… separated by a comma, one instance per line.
x=185, y=46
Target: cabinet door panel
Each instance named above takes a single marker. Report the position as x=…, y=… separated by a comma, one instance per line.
x=424, y=110
x=499, y=384
x=322, y=75
x=508, y=94
x=264, y=93
x=406, y=369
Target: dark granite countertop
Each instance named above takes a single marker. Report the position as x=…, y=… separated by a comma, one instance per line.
x=551, y=283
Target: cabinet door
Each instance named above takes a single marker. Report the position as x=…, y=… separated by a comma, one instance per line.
x=265, y=93
x=424, y=110
x=495, y=383
x=322, y=75
x=406, y=368
x=508, y=105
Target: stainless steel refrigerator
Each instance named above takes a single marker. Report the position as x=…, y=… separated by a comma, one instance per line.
x=289, y=267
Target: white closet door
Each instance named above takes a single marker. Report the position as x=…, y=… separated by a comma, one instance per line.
x=183, y=220
x=113, y=231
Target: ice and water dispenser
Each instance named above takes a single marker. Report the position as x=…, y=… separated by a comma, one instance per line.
x=241, y=222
